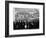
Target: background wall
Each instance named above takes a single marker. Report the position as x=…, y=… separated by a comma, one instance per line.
x=2, y=18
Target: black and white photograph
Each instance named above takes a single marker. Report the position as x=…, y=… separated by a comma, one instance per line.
x=24, y=18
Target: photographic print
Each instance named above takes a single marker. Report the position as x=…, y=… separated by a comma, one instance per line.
x=24, y=19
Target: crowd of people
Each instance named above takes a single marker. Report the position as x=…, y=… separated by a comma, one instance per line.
x=26, y=25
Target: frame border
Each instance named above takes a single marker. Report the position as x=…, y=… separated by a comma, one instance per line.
x=7, y=18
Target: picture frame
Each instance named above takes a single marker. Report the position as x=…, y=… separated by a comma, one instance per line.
x=9, y=31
